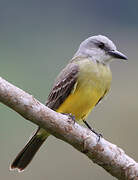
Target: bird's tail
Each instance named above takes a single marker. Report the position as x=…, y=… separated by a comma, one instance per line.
x=30, y=149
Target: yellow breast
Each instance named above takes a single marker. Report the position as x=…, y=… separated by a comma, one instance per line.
x=93, y=82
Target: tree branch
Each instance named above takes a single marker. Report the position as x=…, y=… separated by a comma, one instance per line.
x=107, y=155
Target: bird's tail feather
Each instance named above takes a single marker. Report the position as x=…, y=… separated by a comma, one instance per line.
x=27, y=153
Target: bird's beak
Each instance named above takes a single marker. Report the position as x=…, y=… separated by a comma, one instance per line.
x=117, y=54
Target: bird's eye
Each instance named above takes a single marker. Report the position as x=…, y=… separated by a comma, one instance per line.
x=101, y=45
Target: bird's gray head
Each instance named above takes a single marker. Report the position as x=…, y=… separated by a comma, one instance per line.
x=99, y=48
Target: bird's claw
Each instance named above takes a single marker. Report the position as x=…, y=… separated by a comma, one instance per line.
x=70, y=116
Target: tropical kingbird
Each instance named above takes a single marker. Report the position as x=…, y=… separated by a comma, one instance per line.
x=79, y=87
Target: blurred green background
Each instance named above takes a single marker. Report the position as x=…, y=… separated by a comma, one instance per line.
x=37, y=38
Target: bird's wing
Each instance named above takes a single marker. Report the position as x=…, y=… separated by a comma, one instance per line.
x=63, y=86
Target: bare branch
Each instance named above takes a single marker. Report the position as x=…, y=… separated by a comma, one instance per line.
x=107, y=155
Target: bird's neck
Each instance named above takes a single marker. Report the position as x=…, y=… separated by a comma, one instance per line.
x=78, y=57
x=93, y=57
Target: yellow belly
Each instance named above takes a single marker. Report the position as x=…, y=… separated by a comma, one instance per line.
x=93, y=81
x=80, y=103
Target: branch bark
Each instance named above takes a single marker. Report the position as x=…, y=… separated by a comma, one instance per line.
x=105, y=154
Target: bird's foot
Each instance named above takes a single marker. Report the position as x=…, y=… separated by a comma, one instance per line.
x=99, y=135
x=70, y=116
x=89, y=127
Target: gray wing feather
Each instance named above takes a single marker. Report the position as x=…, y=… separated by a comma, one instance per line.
x=63, y=86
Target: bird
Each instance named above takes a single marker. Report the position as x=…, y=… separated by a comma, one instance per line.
x=78, y=88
